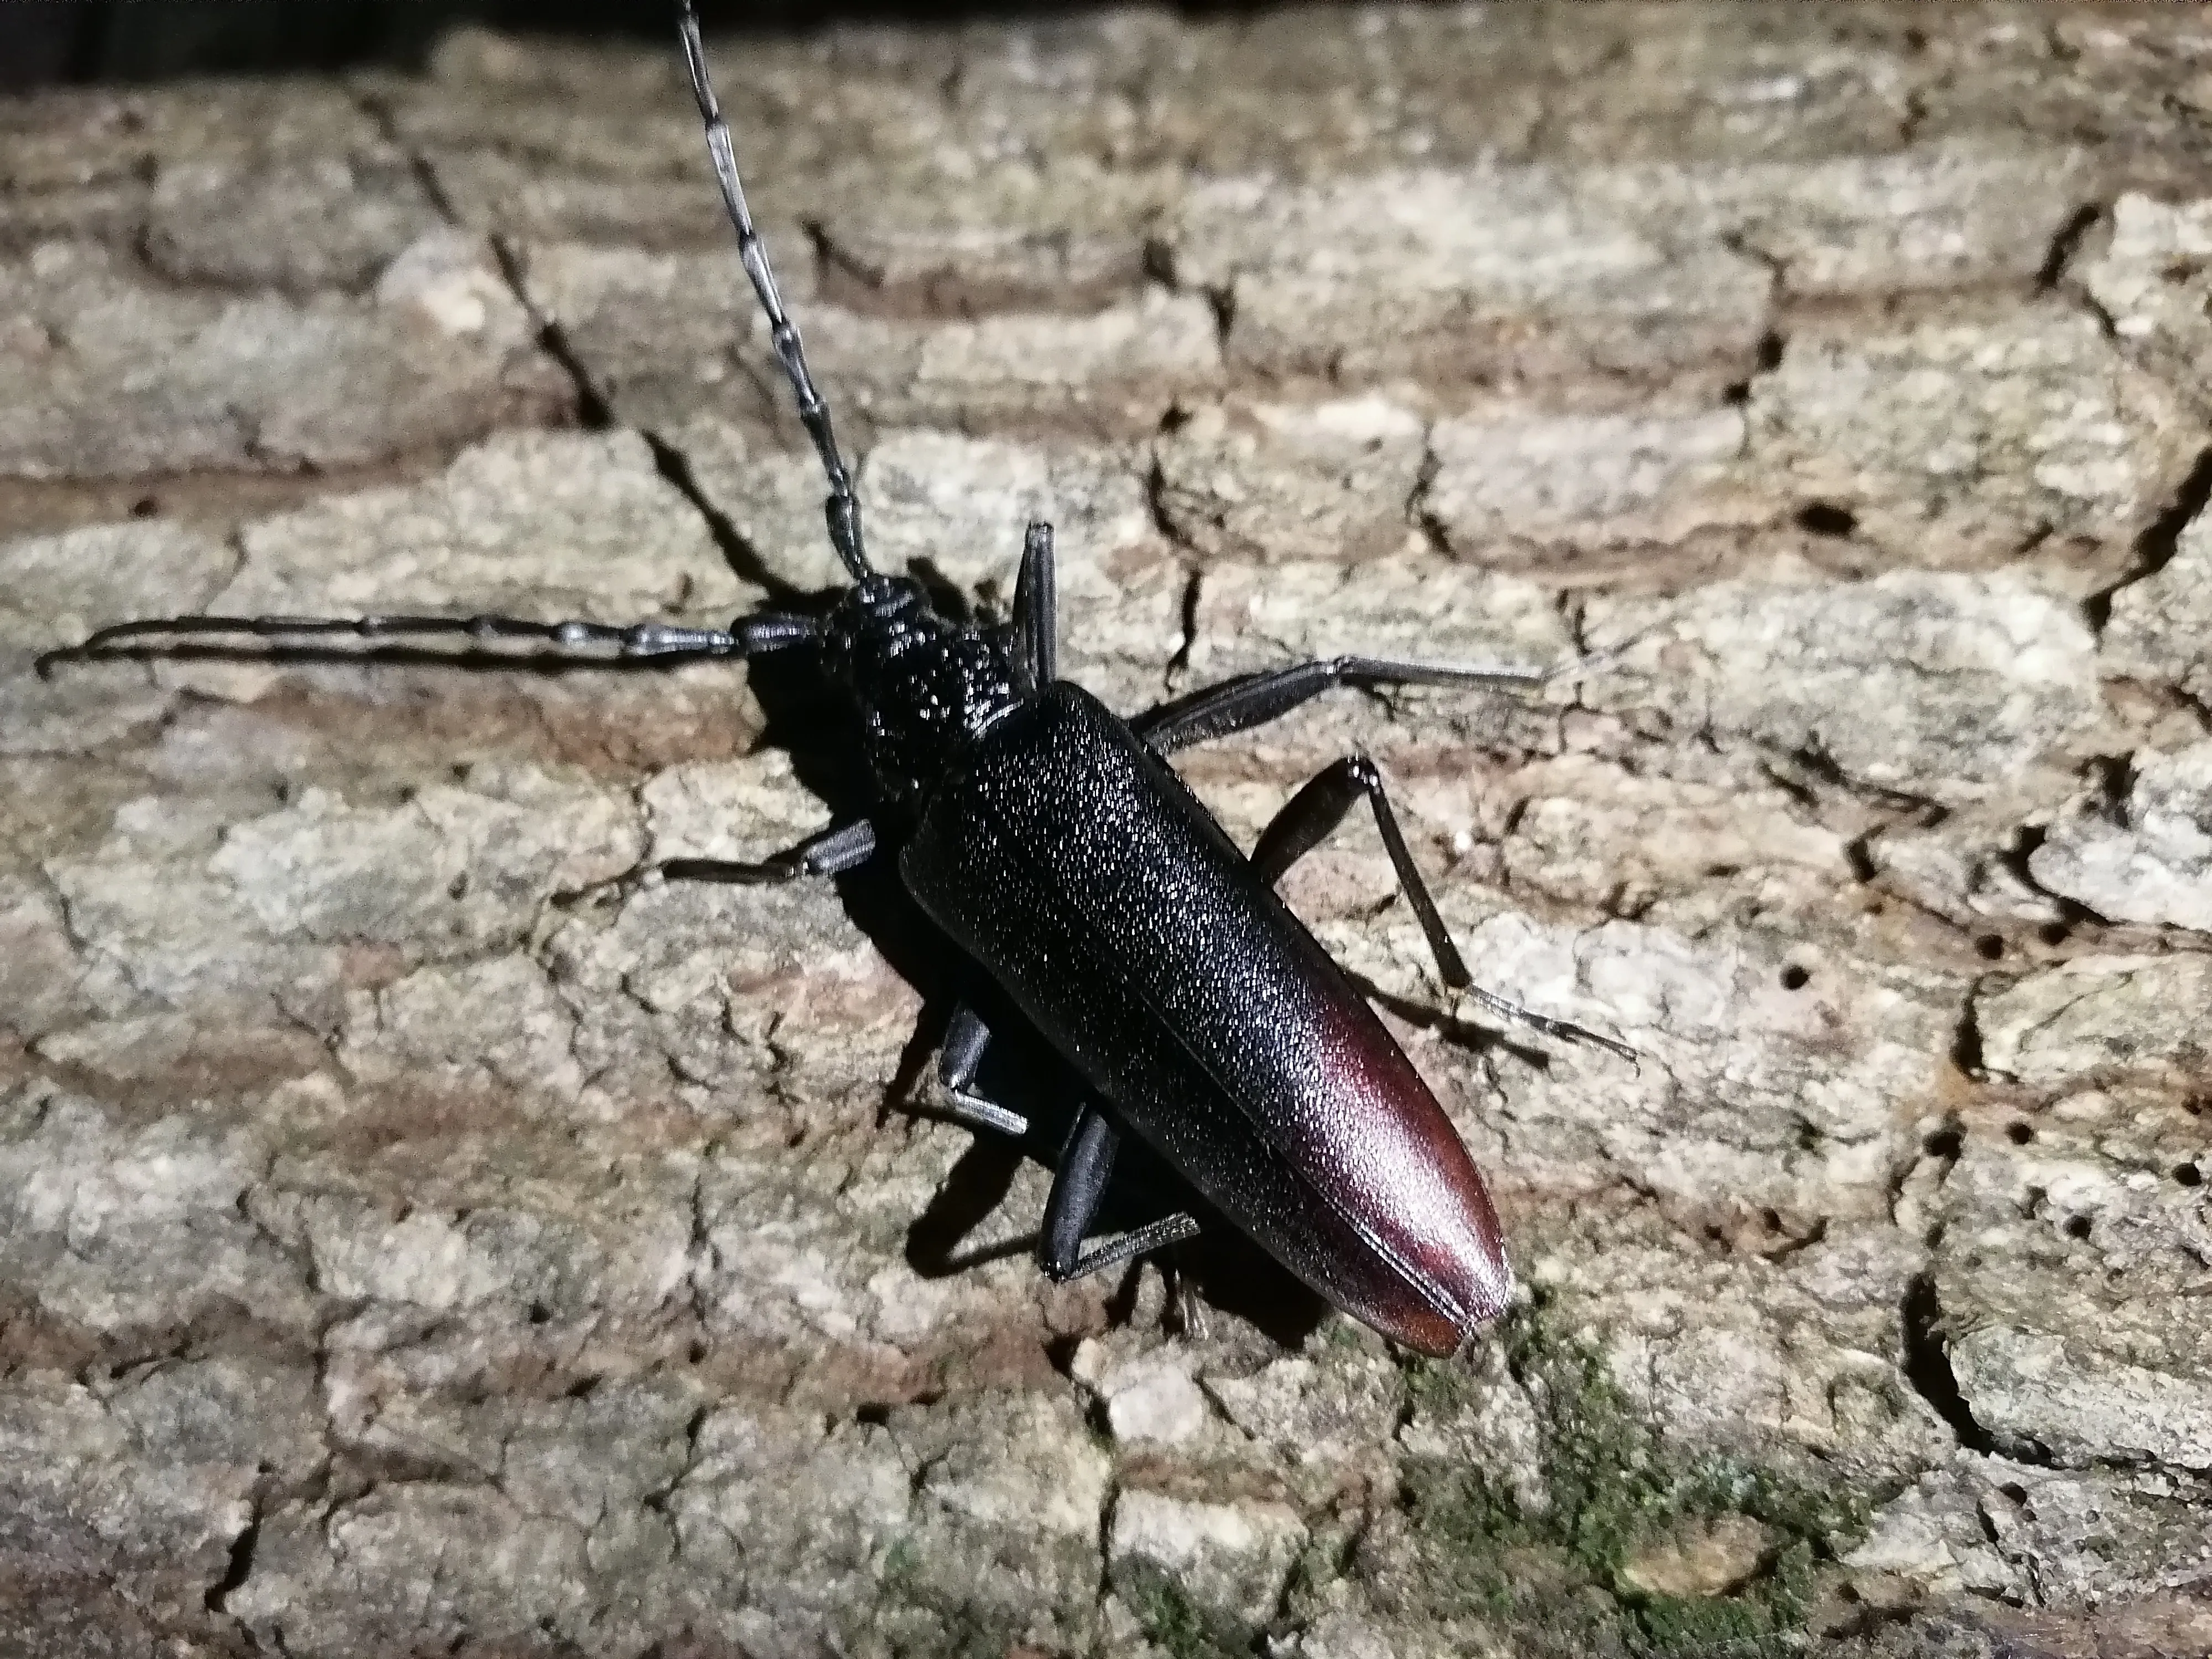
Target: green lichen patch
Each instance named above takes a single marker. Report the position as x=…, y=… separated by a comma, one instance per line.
x=919, y=1616
x=1177, y=1625
x=1634, y=1547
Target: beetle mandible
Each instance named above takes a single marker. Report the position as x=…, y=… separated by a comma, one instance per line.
x=1049, y=840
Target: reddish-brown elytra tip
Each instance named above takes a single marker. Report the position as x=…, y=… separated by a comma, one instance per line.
x=1458, y=1284
x=1423, y=1261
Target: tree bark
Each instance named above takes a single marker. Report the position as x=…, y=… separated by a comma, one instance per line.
x=416, y=1235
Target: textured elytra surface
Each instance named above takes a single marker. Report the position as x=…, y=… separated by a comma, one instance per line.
x=411, y=1239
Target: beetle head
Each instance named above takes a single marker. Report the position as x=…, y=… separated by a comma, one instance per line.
x=925, y=686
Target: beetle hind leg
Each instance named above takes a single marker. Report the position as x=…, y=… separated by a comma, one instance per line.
x=1314, y=813
x=1077, y=1188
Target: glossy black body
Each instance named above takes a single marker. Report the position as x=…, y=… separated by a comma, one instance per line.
x=1066, y=857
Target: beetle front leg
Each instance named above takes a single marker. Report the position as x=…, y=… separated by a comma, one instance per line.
x=831, y=853
x=1078, y=1186
x=1252, y=700
x=1314, y=814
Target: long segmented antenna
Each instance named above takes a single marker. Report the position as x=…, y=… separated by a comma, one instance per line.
x=749, y=636
x=842, y=509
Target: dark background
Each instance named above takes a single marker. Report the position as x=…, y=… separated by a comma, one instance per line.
x=64, y=42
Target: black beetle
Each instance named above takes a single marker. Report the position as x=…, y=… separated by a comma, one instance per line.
x=1050, y=841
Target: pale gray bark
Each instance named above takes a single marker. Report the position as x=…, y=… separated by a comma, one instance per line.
x=414, y=1238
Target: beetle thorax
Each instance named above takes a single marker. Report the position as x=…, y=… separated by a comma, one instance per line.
x=926, y=687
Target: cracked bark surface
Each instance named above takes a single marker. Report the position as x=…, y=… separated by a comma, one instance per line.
x=413, y=1237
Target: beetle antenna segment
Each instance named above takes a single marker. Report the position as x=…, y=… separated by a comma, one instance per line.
x=842, y=509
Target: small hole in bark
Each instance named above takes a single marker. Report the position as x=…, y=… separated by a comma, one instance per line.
x=457, y=887
x=1770, y=1219
x=539, y=1313
x=2053, y=933
x=874, y=1416
x=2077, y=1226
x=1794, y=978
x=2188, y=1174
x=2015, y=1490
x=695, y=1352
x=2019, y=1134
x=1826, y=519
x=2194, y=1104
x=1944, y=1142
x=145, y=506
x=1988, y=947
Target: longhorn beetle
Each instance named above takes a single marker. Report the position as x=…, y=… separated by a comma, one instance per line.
x=1048, y=840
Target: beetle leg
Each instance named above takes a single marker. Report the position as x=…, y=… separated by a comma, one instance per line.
x=1077, y=1187
x=1314, y=814
x=579, y=644
x=962, y=1052
x=831, y=853
x=1036, y=613
x=1315, y=811
x=1250, y=699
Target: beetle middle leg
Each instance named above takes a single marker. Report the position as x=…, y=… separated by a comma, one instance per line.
x=958, y=1058
x=1078, y=1187
x=1314, y=813
x=832, y=852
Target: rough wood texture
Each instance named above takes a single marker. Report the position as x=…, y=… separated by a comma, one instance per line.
x=413, y=1240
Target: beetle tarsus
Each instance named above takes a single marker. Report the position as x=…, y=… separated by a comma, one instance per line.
x=1565, y=1029
x=966, y=1107
x=1174, y=1229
